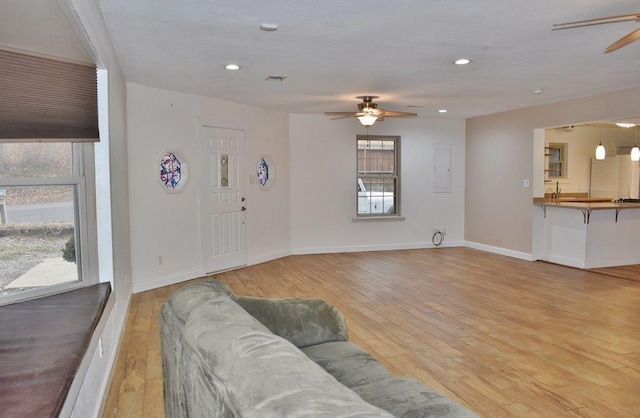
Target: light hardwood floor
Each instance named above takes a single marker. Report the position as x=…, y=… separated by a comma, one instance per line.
x=506, y=337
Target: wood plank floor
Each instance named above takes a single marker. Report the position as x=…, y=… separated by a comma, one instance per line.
x=506, y=337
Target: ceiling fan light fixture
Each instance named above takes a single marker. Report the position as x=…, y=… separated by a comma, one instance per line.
x=368, y=119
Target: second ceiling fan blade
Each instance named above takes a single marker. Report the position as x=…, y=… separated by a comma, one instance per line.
x=394, y=114
x=624, y=41
x=599, y=21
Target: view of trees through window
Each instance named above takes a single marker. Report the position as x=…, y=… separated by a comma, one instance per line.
x=37, y=216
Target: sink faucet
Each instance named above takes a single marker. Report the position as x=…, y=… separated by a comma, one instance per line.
x=556, y=195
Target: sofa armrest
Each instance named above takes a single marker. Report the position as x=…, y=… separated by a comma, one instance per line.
x=303, y=322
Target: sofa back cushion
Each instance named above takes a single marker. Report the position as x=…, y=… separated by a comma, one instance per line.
x=303, y=322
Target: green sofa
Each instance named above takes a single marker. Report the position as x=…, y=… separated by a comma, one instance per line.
x=231, y=356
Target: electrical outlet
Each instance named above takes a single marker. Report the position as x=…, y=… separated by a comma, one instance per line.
x=525, y=184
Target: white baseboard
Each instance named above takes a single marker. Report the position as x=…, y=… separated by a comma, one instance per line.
x=611, y=262
x=268, y=257
x=165, y=281
x=569, y=262
x=375, y=247
x=501, y=251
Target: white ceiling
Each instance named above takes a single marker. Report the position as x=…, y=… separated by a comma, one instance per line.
x=334, y=50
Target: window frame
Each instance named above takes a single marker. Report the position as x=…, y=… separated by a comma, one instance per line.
x=395, y=176
x=83, y=179
x=562, y=147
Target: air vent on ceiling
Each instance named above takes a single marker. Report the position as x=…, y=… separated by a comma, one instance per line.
x=275, y=78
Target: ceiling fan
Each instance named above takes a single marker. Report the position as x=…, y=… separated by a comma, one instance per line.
x=368, y=112
x=624, y=41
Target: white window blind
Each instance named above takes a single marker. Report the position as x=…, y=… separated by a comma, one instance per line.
x=47, y=100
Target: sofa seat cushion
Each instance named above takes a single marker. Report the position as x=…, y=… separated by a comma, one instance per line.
x=348, y=363
x=407, y=398
x=301, y=321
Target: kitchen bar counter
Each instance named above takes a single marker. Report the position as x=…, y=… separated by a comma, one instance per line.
x=606, y=234
x=586, y=206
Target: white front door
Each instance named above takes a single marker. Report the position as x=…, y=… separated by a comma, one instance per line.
x=222, y=198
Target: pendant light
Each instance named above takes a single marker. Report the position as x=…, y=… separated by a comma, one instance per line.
x=635, y=151
x=601, y=153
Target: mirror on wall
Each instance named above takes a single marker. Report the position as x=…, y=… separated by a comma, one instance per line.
x=565, y=161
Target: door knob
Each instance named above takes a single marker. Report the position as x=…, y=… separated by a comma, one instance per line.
x=243, y=209
x=243, y=199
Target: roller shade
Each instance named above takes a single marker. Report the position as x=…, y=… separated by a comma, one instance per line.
x=46, y=100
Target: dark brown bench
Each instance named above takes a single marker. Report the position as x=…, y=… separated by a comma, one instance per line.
x=42, y=343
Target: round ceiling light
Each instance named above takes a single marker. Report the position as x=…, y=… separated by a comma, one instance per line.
x=232, y=67
x=462, y=61
x=268, y=27
x=442, y=111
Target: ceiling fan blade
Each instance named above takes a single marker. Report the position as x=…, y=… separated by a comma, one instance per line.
x=599, y=21
x=394, y=114
x=344, y=117
x=340, y=113
x=624, y=41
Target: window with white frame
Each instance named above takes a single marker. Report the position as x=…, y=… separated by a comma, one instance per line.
x=47, y=235
x=378, y=176
x=556, y=161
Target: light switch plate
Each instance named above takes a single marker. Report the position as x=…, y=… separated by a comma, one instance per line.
x=525, y=184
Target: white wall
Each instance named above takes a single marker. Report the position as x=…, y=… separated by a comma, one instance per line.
x=168, y=224
x=323, y=179
x=95, y=381
x=498, y=210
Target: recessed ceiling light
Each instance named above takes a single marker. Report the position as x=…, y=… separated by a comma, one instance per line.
x=462, y=61
x=442, y=111
x=232, y=67
x=268, y=27
x=538, y=91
